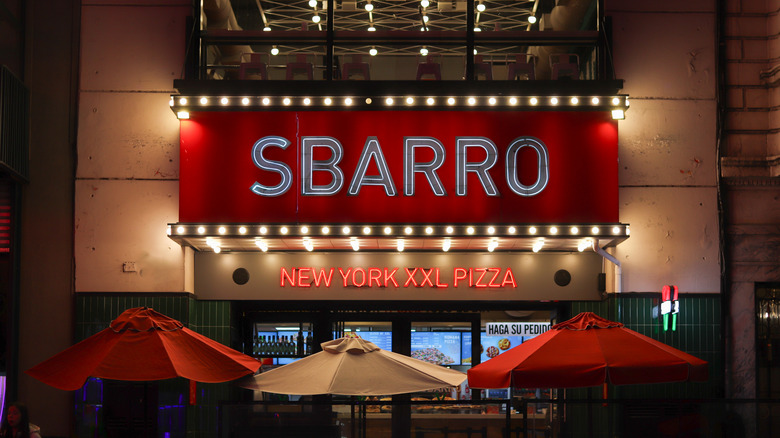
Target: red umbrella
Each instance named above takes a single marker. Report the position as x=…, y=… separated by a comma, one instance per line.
x=587, y=350
x=142, y=345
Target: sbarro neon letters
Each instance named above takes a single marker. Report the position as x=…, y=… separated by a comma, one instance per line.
x=372, y=155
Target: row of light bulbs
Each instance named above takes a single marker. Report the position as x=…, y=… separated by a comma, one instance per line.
x=308, y=244
x=409, y=100
x=408, y=230
x=184, y=105
x=369, y=7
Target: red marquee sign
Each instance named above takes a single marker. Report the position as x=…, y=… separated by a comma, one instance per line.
x=399, y=167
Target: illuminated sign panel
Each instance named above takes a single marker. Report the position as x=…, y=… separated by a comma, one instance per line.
x=397, y=276
x=398, y=166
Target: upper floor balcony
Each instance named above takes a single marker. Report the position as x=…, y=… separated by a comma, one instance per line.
x=397, y=40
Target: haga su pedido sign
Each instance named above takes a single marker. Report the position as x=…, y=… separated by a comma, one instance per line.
x=398, y=166
x=516, y=328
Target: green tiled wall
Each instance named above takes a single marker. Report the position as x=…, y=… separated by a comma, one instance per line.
x=94, y=312
x=698, y=333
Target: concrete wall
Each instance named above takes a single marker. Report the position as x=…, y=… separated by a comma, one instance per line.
x=128, y=146
x=46, y=240
x=666, y=52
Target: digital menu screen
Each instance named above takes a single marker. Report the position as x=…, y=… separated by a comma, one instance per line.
x=441, y=348
x=465, y=357
x=383, y=340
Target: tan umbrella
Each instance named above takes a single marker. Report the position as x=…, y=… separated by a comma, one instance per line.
x=353, y=366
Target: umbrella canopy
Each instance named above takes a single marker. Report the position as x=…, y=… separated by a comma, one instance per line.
x=353, y=366
x=142, y=345
x=587, y=350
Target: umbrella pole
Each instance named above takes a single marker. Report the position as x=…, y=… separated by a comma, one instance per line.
x=508, y=427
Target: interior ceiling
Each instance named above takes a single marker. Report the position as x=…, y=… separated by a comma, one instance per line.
x=509, y=15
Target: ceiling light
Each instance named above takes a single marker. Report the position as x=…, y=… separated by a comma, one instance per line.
x=263, y=230
x=355, y=244
x=181, y=115
x=389, y=101
x=266, y=101
x=222, y=230
x=532, y=19
x=511, y=230
x=425, y=3
x=470, y=230
x=180, y=230
x=304, y=230
x=267, y=29
x=446, y=245
x=348, y=101
x=400, y=245
x=313, y=3
x=223, y=101
x=373, y=51
x=274, y=50
x=428, y=230
x=451, y=101
x=554, y=101
x=574, y=101
x=315, y=18
x=408, y=230
x=534, y=101
x=538, y=245
x=345, y=230
x=262, y=244
x=595, y=101
x=430, y=101
x=325, y=230
x=204, y=100
x=449, y=230
x=388, y=230
x=425, y=18
x=618, y=114
x=594, y=230
x=481, y=7
x=369, y=7
x=201, y=230
x=366, y=230
x=328, y=101
x=424, y=51
x=283, y=230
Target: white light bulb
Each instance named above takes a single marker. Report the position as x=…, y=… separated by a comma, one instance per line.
x=372, y=52
x=274, y=50
x=481, y=7
x=369, y=7
x=315, y=18
x=424, y=51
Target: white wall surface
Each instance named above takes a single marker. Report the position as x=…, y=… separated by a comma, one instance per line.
x=667, y=145
x=128, y=147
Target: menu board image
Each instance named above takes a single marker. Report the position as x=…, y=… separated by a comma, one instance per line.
x=492, y=346
x=441, y=348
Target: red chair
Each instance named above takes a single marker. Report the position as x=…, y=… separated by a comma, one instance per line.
x=253, y=63
x=429, y=67
x=301, y=65
x=524, y=65
x=564, y=65
x=356, y=66
x=481, y=67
